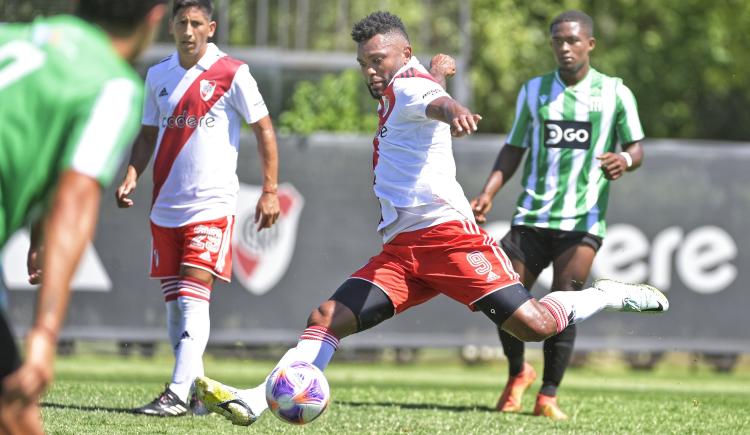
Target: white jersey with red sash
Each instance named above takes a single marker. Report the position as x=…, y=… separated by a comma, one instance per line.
x=415, y=174
x=199, y=112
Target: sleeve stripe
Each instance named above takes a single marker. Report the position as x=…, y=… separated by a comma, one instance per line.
x=103, y=131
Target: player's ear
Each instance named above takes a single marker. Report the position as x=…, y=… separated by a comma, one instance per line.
x=211, y=29
x=407, y=52
x=592, y=43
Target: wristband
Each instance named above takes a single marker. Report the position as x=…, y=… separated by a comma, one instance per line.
x=628, y=158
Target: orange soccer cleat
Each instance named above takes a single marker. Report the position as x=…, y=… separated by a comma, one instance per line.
x=510, y=400
x=547, y=406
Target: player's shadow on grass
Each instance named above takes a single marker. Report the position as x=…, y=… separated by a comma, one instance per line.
x=429, y=406
x=425, y=406
x=88, y=408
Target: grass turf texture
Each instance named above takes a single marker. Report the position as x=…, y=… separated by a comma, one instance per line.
x=93, y=393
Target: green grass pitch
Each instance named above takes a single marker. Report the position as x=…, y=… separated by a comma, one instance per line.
x=92, y=393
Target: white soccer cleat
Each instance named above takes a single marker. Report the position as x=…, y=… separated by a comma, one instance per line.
x=225, y=401
x=638, y=298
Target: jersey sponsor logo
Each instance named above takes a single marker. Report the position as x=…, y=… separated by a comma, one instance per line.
x=186, y=120
x=163, y=92
x=207, y=89
x=89, y=276
x=567, y=134
x=261, y=258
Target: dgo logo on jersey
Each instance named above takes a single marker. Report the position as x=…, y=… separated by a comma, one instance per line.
x=567, y=134
x=207, y=89
x=260, y=259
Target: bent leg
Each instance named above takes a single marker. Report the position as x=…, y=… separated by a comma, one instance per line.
x=356, y=305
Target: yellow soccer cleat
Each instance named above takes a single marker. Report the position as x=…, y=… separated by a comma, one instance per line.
x=510, y=400
x=547, y=406
x=225, y=401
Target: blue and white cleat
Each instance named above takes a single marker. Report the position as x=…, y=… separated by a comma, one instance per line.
x=632, y=298
x=225, y=401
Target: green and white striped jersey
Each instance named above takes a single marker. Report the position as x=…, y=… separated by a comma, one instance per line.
x=67, y=101
x=566, y=128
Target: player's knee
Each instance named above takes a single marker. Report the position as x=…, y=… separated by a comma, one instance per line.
x=322, y=315
x=335, y=317
x=531, y=322
x=368, y=304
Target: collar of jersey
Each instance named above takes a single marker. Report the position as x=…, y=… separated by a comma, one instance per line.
x=583, y=84
x=209, y=57
x=412, y=63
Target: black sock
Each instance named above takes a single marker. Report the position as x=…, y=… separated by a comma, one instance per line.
x=513, y=349
x=557, y=352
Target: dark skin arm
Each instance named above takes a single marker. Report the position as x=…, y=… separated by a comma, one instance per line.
x=614, y=165
x=143, y=149
x=451, y=112
x=267, y=210
x=442, y=67
x=68, y=228
x=506, y=164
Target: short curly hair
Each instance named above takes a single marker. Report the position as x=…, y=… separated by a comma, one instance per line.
x=573, y=16
x=378, y=23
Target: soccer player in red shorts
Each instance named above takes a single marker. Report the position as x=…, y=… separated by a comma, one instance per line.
x=195, y=102
x=432, y=245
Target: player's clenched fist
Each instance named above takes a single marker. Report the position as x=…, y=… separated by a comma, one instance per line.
x=613, y=165
x=442, y=65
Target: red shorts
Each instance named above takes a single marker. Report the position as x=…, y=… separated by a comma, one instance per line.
x=203, y=245
x=457, y=259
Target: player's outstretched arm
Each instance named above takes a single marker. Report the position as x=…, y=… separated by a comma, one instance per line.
x=615, y=165
x=267, y=210
x=505, y=166
x=451, y=112
x=69, y=226
x=143, y=149
x=442, y=66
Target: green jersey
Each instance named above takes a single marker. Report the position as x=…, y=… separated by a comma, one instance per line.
x=565, y=129
x=67, y=101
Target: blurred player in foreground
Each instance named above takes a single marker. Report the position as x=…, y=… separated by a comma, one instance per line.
x=432, y=244
x=70, y=107
x=196, y=100
x=571, y=120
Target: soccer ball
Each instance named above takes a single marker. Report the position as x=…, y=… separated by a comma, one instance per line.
x=297, y=393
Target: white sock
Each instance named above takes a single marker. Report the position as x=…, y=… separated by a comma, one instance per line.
x=315, y=346
x=170, y=288
x=196, y=327
x=174, y=323
x=574, y=306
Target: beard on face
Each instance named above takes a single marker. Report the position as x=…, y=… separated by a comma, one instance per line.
x=374, y=94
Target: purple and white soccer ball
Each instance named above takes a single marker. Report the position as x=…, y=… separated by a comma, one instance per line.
x=297, y=393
